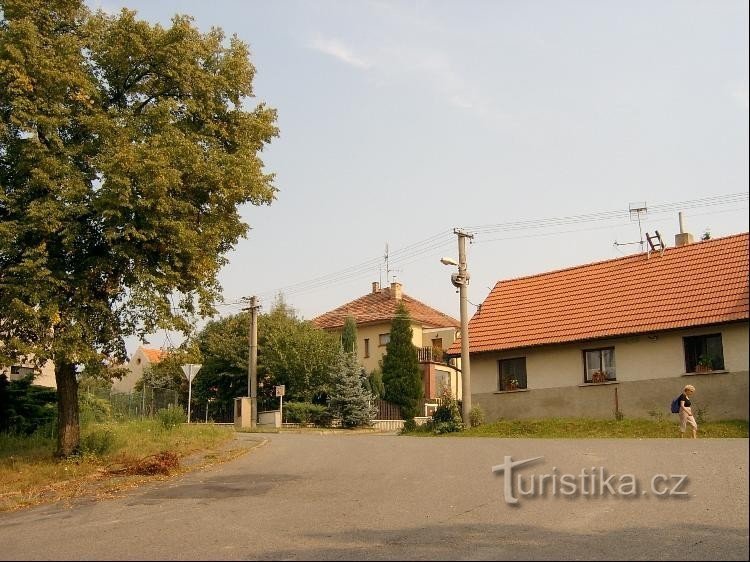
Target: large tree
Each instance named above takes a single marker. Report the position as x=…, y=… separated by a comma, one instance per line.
x=350, y=400
x=125, y=151
x=349, y=335
x=401, y=374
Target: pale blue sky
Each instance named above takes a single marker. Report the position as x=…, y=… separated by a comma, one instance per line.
x=402, y=120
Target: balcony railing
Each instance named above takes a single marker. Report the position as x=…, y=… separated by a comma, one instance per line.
x=431, y=354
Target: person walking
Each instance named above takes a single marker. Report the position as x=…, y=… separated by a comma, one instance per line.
x=686, y=411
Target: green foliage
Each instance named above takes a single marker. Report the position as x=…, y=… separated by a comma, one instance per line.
x=401, y=374
x=349, y=335
x=99, y=442
x=700, y=415
x=350, y=400
x=24, y=407
x=447, y=416
x=171, y=417
x=375, y=383
x=305, y=412
x=126, y=150
x=706, y=235
x=476, y=416
x=93, y=409
x=297, y=354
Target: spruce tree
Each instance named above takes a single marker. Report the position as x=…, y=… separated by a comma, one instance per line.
x=350, y=401
x=401, y=374
x=349, y=335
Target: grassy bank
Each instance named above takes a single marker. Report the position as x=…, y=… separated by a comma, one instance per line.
x=31, y=475
x=562, y=428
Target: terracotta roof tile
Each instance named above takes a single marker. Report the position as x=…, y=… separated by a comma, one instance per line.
x=698, y=284
x=381, y=307
x=153, y=355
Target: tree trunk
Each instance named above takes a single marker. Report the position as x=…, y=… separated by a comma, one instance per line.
x=68, y=428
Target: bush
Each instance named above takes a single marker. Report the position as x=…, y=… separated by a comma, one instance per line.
x=171, y=417
x=305, y=412
x=447, y=417
x=24, y=407
x=476, y=416
x=99, y=442
x=93, y=409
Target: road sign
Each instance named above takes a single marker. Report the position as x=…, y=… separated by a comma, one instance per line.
x=190, y=370
x=280, y=389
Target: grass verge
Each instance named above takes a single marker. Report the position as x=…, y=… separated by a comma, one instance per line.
x=582, y=428
x=31, y=475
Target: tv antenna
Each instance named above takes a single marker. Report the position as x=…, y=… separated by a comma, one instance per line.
x=636, y=211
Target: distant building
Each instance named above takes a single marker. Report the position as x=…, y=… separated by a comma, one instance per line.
x=142, y=359
x=433, y=333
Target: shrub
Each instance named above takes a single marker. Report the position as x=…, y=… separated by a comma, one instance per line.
x=99, y=442
x=93, y=409
x=447, y=417
x=171, y=417
x=305, y=412
x=476, y=416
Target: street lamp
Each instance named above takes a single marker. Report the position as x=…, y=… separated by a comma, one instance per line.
x=461, y=280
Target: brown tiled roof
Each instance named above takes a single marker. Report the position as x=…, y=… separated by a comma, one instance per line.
x=381, y=307
x=153, y=355
x=698, y=284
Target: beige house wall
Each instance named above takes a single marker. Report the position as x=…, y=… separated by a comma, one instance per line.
x=372, y=332
x=45, y=376
x=136, y=366
x=657, y=359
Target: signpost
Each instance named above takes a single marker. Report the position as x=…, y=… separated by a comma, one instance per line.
x=190, y=370
x=280, y=393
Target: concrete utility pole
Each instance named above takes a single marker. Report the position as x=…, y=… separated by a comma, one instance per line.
x=462, y=282
x=252, y=365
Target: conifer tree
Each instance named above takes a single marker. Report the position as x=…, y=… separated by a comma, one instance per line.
x=349, y=398
x=349, y=335
x=401, y=375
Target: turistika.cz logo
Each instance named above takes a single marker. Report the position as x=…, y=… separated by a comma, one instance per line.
x=590, y=482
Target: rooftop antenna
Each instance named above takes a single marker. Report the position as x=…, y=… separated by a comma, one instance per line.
x=387, y=269
x=636, y=210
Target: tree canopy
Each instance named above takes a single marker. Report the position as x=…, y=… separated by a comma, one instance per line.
x=125, y=151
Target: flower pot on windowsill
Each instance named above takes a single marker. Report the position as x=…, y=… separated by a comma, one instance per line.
x=703, y=368
x=598, y=377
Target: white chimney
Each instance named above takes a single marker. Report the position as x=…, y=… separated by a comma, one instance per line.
x=683, y=238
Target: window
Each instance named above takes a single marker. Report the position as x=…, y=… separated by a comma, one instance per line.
x=599, y=364
x=17, y=372
x=442, y=380
x=510, y=370
x=367, y=347
x=703, y=351
x=383, y=339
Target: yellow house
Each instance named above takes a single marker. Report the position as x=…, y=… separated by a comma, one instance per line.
x=433, y=332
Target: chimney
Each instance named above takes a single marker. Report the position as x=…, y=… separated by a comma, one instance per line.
x=375, y=287
x=396, y=291
x=683, y=238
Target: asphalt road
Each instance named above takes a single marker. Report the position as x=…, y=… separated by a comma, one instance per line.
x=387, y=497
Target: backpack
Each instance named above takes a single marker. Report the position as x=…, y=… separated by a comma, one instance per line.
x=675, y=408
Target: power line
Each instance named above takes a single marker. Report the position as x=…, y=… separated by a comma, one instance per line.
x=425, y=248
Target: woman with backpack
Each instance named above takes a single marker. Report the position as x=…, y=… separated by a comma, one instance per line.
x=686, y=412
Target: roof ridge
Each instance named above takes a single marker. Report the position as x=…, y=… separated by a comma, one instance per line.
x=700, y=243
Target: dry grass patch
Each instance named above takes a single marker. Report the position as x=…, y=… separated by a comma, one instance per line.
x=115, y=456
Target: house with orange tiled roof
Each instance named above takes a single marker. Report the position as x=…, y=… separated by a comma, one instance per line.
x=141, y=360
x=433, y=332
x=617, y=337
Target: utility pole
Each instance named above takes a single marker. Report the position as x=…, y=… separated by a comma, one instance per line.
x=462, y=282
x=252, y=364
